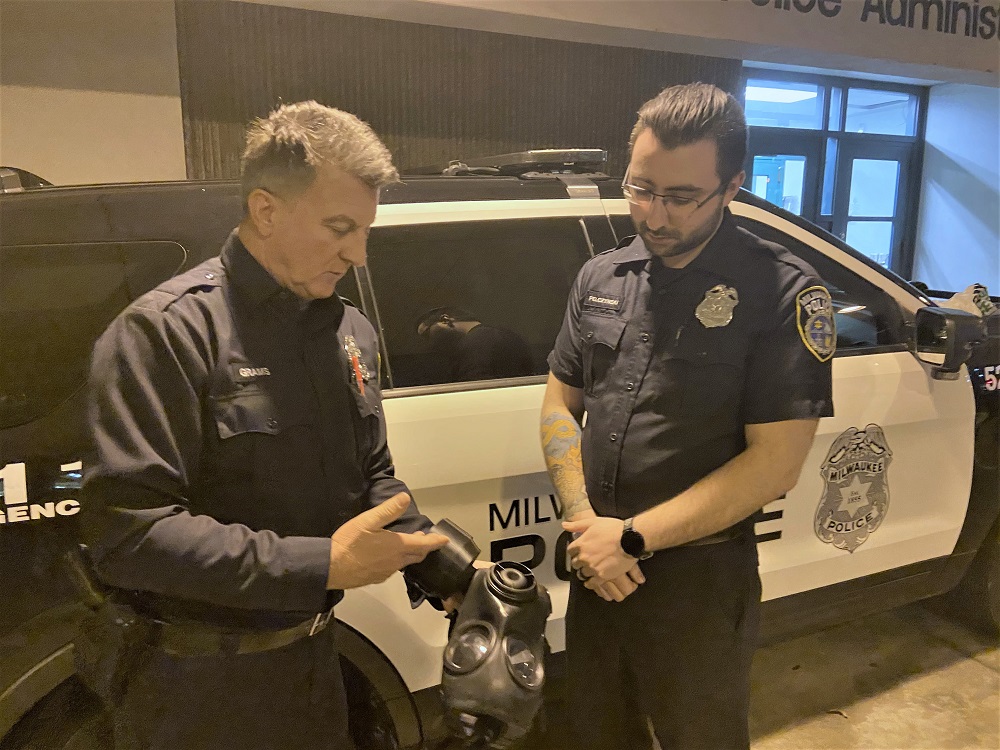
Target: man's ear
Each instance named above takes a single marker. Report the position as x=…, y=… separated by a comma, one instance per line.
x=734, y=187
x=262, y=208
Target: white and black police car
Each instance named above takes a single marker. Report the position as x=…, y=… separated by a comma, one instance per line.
x=898, y=499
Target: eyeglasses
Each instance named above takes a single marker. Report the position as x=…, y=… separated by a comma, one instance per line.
x=678, y=207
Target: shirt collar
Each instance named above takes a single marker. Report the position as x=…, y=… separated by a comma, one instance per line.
x=715, y=258
x=259, y=288
x=250, y=277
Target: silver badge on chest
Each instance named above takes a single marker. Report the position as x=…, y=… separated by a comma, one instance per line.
x=716, y=310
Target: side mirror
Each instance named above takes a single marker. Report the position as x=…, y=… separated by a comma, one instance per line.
x=945, y=338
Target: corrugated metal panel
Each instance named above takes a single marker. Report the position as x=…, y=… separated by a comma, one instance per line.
x=432, y=93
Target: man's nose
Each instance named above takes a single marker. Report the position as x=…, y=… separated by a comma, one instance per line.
x=656, y=216
x=355, y=251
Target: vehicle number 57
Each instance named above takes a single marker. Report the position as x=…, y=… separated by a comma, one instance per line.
x=991, y=376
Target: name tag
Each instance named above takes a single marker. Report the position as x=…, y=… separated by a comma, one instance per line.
x=601, y=301
x=248, y=373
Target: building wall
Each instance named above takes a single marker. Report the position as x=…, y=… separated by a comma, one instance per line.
x=958, y=234
x=880, y=37
x=89, y=91
x=434, y=94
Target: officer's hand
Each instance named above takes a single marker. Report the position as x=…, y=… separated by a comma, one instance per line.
x=363, y=552
x=597, y=552
x=618, y=589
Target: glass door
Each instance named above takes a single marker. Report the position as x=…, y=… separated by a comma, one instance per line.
x=784, y=170
x=869, y=210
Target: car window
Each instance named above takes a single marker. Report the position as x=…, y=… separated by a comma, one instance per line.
x=55, y=300
x=472, y=301
x=866, y=317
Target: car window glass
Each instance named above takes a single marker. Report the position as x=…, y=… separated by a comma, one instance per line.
x=865, y=315
x=472, y=301
x=55, y=300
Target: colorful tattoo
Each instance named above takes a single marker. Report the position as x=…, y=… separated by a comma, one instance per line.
x=564, y=459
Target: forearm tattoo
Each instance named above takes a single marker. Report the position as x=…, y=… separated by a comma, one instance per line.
x=564, y=459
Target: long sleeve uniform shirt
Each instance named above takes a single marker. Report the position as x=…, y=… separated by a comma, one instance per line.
x=674, y=363
x=235, y=428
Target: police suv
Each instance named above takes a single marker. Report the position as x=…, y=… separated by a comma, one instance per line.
x=898, y=499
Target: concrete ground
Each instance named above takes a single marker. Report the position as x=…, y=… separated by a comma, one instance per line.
x=901, y=680
x=904, y=680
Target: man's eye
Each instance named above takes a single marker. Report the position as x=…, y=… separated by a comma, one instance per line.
x=677, y=201
x=341, y=230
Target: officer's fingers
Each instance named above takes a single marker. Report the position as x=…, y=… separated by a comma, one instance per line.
x=384, y=513
x=598, y=589
x=636, y=574
x=614, y=592
x=578, y=527
x=416, y=547
x=625, y=584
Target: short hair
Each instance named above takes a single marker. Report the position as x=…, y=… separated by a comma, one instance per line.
x=284, y=150
x=681, y=115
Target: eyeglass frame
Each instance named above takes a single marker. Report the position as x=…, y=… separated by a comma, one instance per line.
x=721, y=189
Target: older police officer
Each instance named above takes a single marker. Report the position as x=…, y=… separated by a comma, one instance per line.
x=701, y=355
x=242, y=478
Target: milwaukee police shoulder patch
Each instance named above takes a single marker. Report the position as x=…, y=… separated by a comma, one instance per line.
x=856, y=495
x=814, y=316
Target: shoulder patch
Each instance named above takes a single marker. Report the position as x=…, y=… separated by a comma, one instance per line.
x=814, y=317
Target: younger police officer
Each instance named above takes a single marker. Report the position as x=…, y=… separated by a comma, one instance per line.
x=701, y=355
x=242, y=478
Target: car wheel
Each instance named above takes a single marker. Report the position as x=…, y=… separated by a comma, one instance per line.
x=68, y=718
x=371, y=722
x=977, y=596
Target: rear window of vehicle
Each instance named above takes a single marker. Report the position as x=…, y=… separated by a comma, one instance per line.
x=512, y=277
x=55, y=300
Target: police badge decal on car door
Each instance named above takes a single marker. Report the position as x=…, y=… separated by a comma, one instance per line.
x=856, y=495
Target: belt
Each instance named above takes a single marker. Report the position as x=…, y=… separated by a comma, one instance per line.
x=201, y=639
x=726, y=535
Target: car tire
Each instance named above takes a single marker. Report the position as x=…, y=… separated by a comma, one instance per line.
x=976, y=599
x=372, y=726
x=68, y=718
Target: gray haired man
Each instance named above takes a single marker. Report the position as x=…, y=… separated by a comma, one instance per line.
x=241, y=478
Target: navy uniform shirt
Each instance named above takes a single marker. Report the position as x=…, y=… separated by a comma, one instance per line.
x=675, y=362
x=233, y=435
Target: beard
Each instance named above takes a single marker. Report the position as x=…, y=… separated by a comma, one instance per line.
x=671, y=243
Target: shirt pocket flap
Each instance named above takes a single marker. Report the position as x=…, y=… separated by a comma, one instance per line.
x=259, y=412
x=602, y=329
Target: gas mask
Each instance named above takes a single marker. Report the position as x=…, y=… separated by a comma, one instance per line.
x=494, y=667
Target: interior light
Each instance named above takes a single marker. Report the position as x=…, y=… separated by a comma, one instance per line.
x=778, y=96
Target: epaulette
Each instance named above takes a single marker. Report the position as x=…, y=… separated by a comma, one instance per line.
x=171, y=290
x=625, y=241
x=350, y=303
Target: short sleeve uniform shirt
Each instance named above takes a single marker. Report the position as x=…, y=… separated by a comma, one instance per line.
x=675, y=362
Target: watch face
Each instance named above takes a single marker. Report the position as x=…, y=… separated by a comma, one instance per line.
x=633, y=543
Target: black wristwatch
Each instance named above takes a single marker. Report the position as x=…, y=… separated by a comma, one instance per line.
x=633, y=543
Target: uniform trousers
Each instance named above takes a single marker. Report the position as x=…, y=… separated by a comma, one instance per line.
x=292, y=697
x=674, y=656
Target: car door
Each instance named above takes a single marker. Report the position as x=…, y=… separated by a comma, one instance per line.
x=469, y=450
